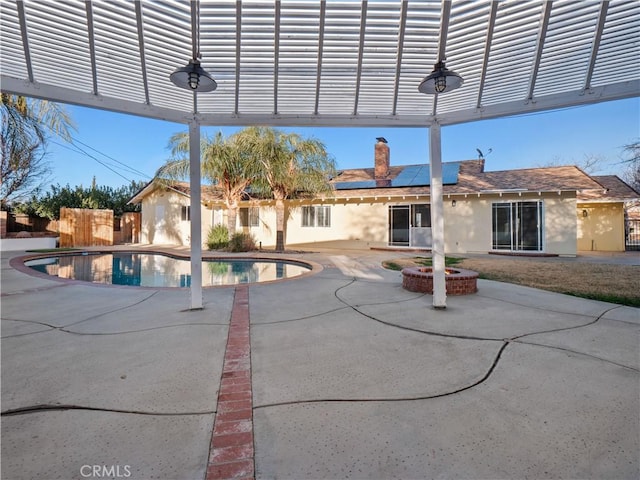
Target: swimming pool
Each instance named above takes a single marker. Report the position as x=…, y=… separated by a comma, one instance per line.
x=158, y=270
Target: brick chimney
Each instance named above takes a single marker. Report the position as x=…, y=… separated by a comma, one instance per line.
x=381, y=171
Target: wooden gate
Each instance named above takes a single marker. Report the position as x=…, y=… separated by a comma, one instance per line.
x=130, y=224
x=85, y=228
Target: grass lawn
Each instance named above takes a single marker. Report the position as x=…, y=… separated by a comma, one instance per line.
x=609, y=283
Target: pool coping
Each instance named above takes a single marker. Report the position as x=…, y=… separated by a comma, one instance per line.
x=18, y=263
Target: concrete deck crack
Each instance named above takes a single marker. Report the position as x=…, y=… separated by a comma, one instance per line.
x=554, y=330
x=112, y=311
x=410, y=329
x=553, y=347
x=275, y=322
x=65, y=407
x=32, y=290
x=486, y=376
x=65, y=330
x=543, y=308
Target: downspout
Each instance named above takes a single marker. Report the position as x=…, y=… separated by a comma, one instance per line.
x=196, y=215
x=437, y=217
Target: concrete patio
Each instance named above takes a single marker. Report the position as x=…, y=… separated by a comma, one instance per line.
x=351, y=377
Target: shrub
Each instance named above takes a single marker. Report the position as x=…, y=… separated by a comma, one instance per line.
x=218, y=237
x=242, y=242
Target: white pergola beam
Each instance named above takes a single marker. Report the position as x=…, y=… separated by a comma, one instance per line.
x=25, y=39
x=323, y=16
x=276, y=55
x=363, y=28
x=542, y=34
x=401, y=34
x=238, y=58
x=143, y=61
x=487, y=50
x=92, y=45
x=86, y=99
x=595, y=44
x=604, y=93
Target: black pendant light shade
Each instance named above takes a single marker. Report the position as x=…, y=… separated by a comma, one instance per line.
x=193, y=77
x=441, y=80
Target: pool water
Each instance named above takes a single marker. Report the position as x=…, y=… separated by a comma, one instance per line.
x=157, y=270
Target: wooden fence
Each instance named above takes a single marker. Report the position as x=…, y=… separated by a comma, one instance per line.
x=24, y=223
x=126, y=229
x=85, y=228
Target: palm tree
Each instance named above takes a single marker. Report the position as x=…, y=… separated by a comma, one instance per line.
x=26, y=126
x=291, y=167
x=223, y=165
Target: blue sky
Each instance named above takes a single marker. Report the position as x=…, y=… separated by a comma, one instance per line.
x=136, y=147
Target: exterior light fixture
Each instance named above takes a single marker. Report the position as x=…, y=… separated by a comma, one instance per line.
x=453, y=202
x=441, y=80
x=193, y=77
x=585, y=213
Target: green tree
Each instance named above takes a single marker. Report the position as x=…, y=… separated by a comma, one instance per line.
x=96, y=197
x=26, y=126
x=290, y=167
x=223, y=165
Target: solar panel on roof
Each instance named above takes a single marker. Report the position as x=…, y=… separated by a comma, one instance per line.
x=450, y=173
x=414, y=175
x=411, y=176
x=419, y=175
x=355, y=185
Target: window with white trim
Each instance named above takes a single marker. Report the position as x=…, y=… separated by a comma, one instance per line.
x=185, y=213
x=316, y=216
x=249, y=217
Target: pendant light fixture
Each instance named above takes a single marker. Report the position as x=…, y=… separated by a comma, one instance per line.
x=192, y=76
x=441, y=80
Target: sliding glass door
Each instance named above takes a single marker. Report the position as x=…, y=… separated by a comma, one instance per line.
x=410, y=225
x=517, y=226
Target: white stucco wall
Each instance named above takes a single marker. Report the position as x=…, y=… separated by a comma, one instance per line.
x=602, y=229
x=468, y=225
x=560, y=224
x=364, y=223
x=172, y=230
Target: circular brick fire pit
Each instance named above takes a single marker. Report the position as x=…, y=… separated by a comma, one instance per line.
x=457, y=280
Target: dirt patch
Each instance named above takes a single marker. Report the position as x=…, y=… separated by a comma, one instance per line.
x=612, y=283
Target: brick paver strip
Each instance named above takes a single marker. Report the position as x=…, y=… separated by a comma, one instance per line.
x=231, y=451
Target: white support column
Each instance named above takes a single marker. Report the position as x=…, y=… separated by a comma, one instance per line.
x=437, y=217
x=196, y=215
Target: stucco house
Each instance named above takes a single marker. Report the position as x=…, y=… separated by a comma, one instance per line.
x=604, y=216
x=534, y=210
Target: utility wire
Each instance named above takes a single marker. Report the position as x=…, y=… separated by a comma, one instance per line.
x=131, y=169
x=75, y=148
x=79, y=150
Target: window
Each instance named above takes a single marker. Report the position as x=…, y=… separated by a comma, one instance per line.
x=421, y=214
x=316, y=216
x=249, y=217
x=185, y=214
x=517, y=226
